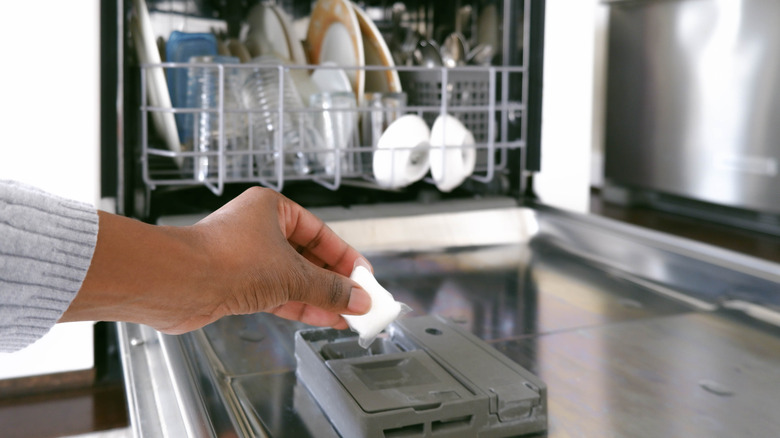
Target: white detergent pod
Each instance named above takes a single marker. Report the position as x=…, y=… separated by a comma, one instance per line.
x=384, y=308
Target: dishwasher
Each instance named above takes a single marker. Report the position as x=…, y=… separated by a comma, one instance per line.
x=525, y=319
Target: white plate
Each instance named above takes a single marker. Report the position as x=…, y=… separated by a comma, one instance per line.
x=377, y=53
x=294, y=45
x=321, y=81
x=451, y=163
x=331, y=79
x=156, y=86
x=401, y=157
x=334, y=35
x=265, y=27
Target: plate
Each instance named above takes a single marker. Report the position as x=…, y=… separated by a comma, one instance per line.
x=294, y=45
x=451, y=163
x=157, y=88
x=265, y=26
x=401, y=155
x=377, y=53
x=331, y=79
x=334, y=36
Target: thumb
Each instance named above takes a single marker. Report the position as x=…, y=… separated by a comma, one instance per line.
x=331, y=291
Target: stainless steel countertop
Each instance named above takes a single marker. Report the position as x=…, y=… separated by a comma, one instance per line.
x=635, y=333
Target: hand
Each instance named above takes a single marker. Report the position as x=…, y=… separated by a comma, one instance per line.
x=261, y=252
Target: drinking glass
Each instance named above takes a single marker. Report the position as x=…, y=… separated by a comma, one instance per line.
x=272, y=111
x=336, y=120
x=380, y=110
x=203, y=85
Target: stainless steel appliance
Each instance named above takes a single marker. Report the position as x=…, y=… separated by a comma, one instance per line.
x=635, y=333
x=691, y=106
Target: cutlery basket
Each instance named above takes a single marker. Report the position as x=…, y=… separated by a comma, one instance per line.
x=464, y=93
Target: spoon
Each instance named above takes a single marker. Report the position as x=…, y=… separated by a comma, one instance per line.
x=427, y=54
x=481, y=54
x=454, y=50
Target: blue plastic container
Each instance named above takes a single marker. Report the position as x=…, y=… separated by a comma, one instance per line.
x=182, y=46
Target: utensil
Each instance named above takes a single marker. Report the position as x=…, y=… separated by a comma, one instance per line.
x=403, y=50
x=481, y=54
x=427, y=54
x=239, y=50
x=454, y=50
x=403, y=38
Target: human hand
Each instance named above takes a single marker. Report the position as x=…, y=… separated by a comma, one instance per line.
x=261, y=252
x=282, y=259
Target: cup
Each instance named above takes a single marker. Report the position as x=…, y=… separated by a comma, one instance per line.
x=401, y=156
x=273, y=111
x=452, y=153
x=203, y=85
x=336, y=119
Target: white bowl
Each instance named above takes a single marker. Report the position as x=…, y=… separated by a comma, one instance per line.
x=451, y=160
x=401, y=157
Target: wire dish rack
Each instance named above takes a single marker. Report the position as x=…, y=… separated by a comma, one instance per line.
x=267, y=124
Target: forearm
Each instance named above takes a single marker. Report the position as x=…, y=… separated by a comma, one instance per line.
x=144, y=273
x=253, y=255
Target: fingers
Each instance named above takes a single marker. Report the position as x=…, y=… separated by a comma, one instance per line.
x=310, y=315
x=316, y=242
x=329, y=291
x=361, y=261
x=275, y=256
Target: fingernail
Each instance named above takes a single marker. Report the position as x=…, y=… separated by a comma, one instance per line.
x=359, y=301
x=361, y=261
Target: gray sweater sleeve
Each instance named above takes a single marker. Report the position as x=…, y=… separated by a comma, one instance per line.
x=46, y=245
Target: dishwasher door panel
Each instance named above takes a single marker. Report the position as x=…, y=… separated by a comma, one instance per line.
x=624, y=350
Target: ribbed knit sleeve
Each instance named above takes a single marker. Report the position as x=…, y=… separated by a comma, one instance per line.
x=46, y=245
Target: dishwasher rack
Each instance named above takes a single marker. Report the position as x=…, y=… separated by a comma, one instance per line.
x=490, y=101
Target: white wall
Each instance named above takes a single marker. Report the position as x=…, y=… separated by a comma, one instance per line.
x=50, y=128
x=567, y=106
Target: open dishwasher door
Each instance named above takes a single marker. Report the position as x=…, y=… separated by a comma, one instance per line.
x=633, y=332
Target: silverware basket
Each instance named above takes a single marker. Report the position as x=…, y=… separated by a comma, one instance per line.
x=464, y=90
